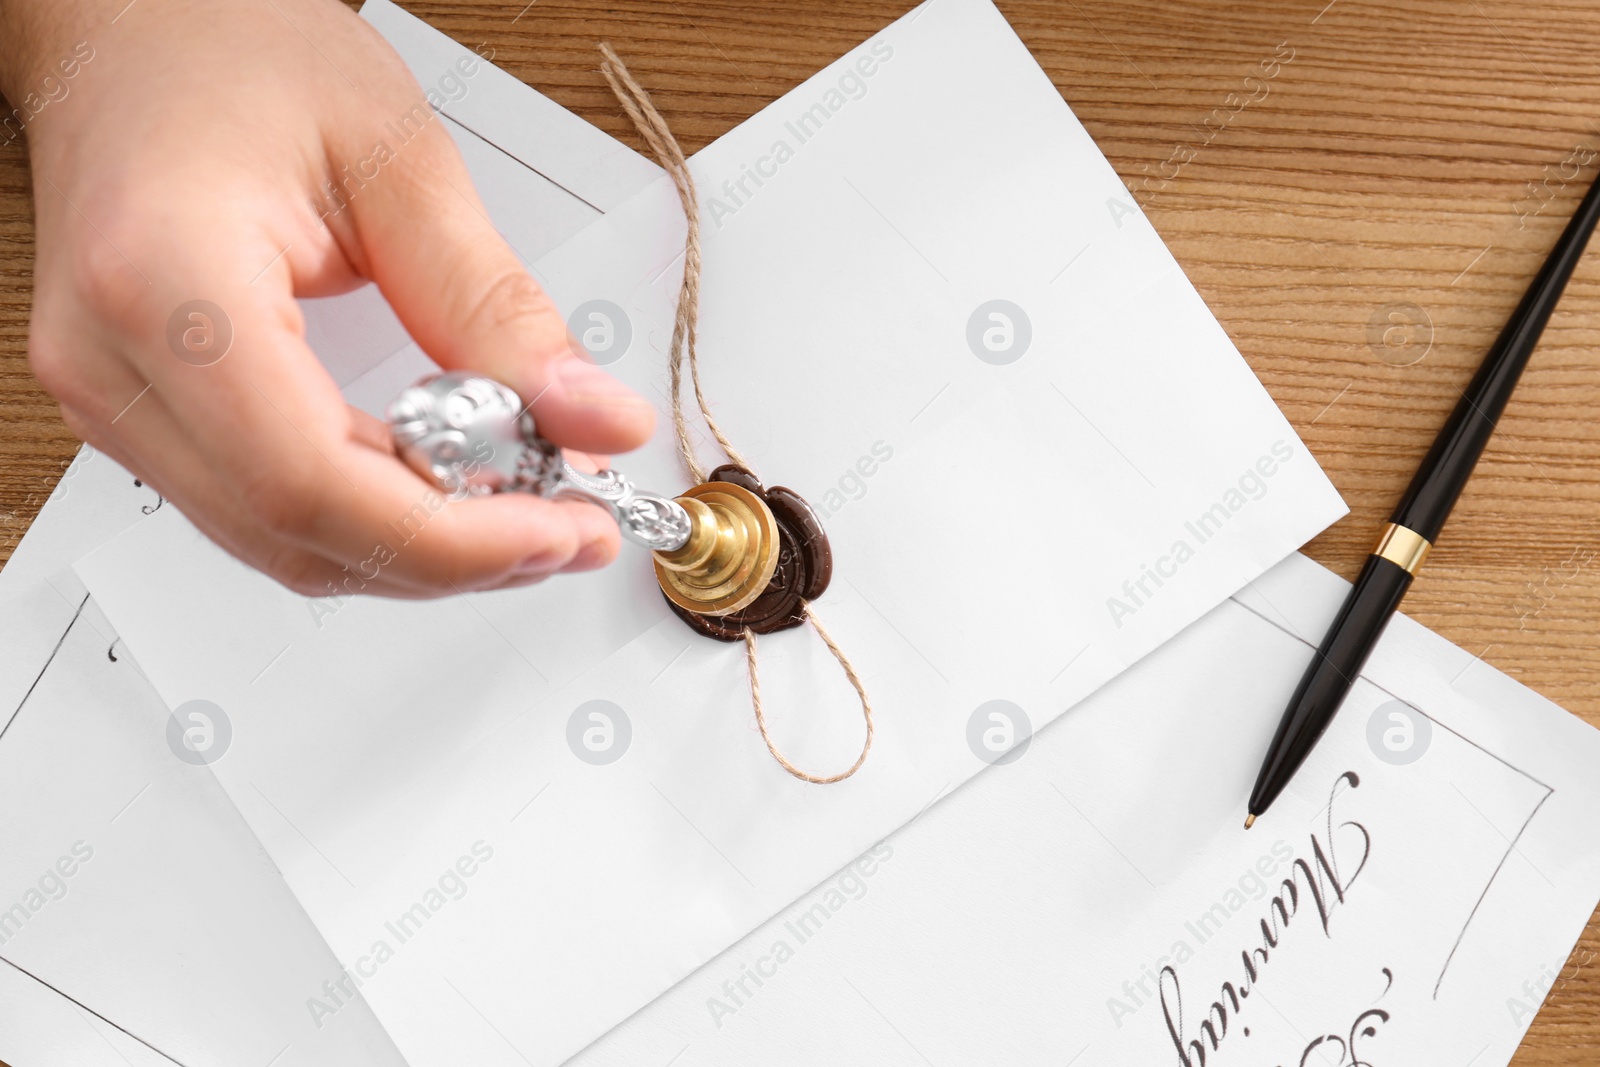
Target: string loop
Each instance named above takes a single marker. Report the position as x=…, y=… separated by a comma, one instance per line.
x=761, y=717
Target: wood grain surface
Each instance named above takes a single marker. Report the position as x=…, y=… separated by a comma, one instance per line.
x=1361, y=221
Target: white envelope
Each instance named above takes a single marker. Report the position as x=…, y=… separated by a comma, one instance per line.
x=379, y=747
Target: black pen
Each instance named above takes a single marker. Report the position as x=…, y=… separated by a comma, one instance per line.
x=1417, y=520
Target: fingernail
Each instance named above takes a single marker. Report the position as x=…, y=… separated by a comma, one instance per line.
x=592, y=556
x=585, y=383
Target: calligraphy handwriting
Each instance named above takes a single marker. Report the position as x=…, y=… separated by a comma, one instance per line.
x=1317, y=879
x=1366, y=1025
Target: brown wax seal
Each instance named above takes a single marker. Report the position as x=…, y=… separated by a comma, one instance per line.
x=805, y=565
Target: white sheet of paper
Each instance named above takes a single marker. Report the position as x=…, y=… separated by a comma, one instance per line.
x=39, y=1025
x=146, y=930
x=166, y=901
x=1027, y=919
x=1127, y=420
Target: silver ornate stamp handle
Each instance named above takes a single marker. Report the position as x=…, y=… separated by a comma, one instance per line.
x=470, y=436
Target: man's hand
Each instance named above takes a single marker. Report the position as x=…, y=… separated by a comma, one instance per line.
x=190, y=161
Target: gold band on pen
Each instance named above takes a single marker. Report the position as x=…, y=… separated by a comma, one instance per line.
x=1402, y=547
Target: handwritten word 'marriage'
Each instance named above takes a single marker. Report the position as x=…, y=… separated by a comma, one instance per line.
x=1251, y=885
x=1322, y=881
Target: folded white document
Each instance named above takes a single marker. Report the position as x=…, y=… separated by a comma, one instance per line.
x=928, y=339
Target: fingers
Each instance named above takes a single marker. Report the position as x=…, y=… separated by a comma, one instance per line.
x=367, y=543
x=258, y=447
x=322, y=486
x=473, y=543
x=466, y=299
x=370, y=431
x=152, y=448
x=168, y=328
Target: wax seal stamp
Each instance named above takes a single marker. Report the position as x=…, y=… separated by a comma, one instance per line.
x=803, y=565
x=718, y=548
x=733, y=558
x=471, y=436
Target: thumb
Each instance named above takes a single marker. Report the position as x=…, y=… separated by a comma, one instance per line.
x=465, y=298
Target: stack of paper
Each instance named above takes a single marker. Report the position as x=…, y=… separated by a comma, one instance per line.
x=895, y=321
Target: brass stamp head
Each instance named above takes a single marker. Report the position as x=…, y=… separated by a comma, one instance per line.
x=731, y=554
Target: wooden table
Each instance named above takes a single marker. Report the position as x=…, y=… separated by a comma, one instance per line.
x=1361, y=221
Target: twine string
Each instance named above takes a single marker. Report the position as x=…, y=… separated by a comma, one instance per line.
x=653, y=128
x=761, y=717
x=658, y=135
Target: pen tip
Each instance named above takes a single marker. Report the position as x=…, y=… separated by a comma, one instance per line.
x=1249, y=821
